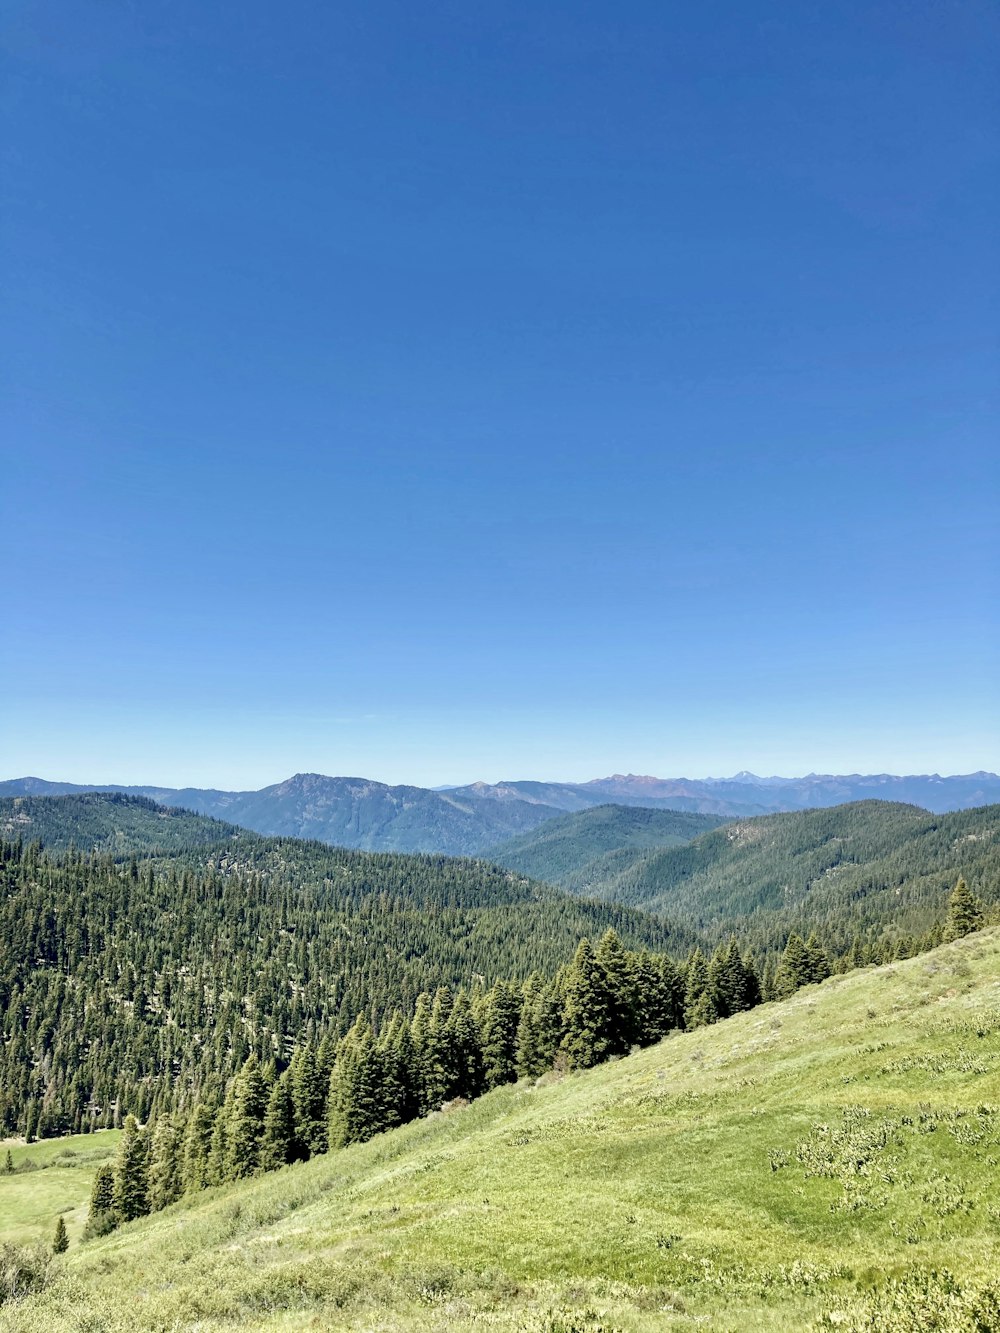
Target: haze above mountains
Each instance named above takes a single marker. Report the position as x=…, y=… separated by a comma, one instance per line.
x=469, y=820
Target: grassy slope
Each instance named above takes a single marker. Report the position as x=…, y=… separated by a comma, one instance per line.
x=580, y=851
x=639, y=1196
x=31, y=1200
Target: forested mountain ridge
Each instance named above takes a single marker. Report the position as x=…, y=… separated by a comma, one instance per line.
x=580, y=852
x=748, y=794
x=122, y=980
x=866, y=865
x=466, y=820
x=348, y=812
x=112, y=823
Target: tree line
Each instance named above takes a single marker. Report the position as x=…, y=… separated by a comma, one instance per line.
x=455, y=1046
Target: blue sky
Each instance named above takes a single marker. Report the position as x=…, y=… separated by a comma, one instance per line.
x=512, y=390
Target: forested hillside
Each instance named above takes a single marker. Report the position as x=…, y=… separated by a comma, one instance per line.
x=824, y=1163
x=345, y=812
x=581, y=851
x=111, y=823
x=870, y=865
x=466, y=820
x=120, y=979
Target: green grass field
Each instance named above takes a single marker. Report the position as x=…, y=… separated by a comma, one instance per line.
x=776, y=1171
x=58, y=1182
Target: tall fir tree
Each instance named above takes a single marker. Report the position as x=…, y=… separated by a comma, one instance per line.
x=309, y=1090
x=816, y=955
x=165, y=1172
x=699, y=1003
x=278, y=1141
x=196, y=1170
x=246, y=1108
x=965, y=912
x=130, y=1192
x=499, y=1017
x=622, y=1031
x=794, y=970
x=587, y=1013
x=101, y=1215
x=465, y=1050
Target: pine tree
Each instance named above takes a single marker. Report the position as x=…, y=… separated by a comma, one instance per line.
x=587, y=1010
x=8, y=1165
x=278, y=1143
x=465, y=1050
x=309, y=1092
x=530, y=1063
x=819, y=963
x=419, y=1032
x=198, y=1146
x=101, y=1216
x=499, y=1018
x=164, y=1175
x=794, y=970
x=60, y=1241
x=673, y=992
x=734, y=983
x=402, y=1073
x=699, y=1004
x=245, y=1121
x=437, y=1055
x=965, y=912
x=653, y=998
x=215, y=1169
x=131, y=1196
x=613, y=961
x=357, y=1089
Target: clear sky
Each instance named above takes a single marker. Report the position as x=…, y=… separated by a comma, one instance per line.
x=464, y=390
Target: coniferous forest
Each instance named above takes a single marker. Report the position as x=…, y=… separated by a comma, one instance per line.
x=239, y=1003
x=129, y=982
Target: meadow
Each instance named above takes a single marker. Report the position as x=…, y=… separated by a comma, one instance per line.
x=830, y=1161
x=51, y=1178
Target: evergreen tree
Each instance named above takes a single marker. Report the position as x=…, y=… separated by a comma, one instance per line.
x=8, y=1165
x=965, y=912
x=278, y=1143
x=587, y=1012
x=419, y=1033
x=465, y=1050
x=101, y=1215
x=699, y=1004
x=357, y=1091
x=215, y=1170
x=818, y=962
x=165, y=1174
x=245, y=1121
x=130, y=1192
x=529, y=1059
x=197, y=1172
x=60, y=1241
x=402, y=1073
x=673, y=992
x=308, y=1102
x=622, y=1031
x=499, y=1018
x=794, y=970
x=437, y=1055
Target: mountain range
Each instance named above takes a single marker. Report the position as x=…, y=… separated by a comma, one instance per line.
x=468, y=820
